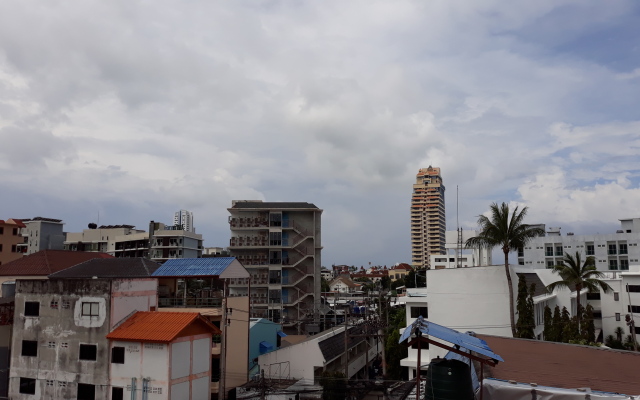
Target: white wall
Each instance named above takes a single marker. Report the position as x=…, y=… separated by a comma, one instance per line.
x=148, y=360
x=180, y=359
x=201, y=360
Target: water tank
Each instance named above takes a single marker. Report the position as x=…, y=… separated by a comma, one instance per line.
x=8, y=289
x=448, y=380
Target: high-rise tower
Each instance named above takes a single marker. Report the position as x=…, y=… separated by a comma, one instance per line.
x=184, y=218
x=428, y=221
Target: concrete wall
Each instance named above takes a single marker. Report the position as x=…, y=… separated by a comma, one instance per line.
x=142, y=360
x=237, y=343
x=59, y=331
x=470, y=299
x=262, y=330
x=8, y=240
x=128, y=295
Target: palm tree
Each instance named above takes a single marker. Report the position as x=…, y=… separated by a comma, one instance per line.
x=506, y=230
x=577, y=276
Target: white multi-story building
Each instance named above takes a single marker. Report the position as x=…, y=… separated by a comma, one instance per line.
x=279, y=244
x=184, y=219
x=455, y=250
x=428, y=219
x=613, y=251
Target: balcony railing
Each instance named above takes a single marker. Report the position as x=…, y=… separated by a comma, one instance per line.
x=190, y=302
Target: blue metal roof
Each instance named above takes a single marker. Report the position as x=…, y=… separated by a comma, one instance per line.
x=449, y=335
x=210, y=266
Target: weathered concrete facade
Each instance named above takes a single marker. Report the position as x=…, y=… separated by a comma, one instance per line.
x=59, y=344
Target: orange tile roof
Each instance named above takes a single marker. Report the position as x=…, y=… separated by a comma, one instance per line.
x=154, y=326
x=46, y=262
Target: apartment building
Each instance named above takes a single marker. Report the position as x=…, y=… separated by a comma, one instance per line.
x=280, y=245
x=41, y=234
x=166, y=242
x=10, y=240
x=457, y=255
x=428, y=219
x=612, y=251
x=184, y=219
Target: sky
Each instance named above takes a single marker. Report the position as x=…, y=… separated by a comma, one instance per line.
x=128, y=111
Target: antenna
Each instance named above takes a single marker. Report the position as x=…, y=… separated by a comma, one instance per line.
x=98, y=223
x=459, y=244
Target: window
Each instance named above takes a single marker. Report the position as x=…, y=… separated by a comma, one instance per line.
x=90, y=309
x=550, y=264
x=612, y=249
x=86, y=391
x=31, y=308
x=559, y=251
x=623, y=248
x=54, y=304
x=548, y=251
x=597, y=314
x=88, y=352
x=0, y=246
x=1, y=230
x=30, y=348
x=616, y=296
x=117, y=355
x=15, y=231
x=633, y=288
x=66, y=304
x=613, y=264
x=14, y=248
x=417, y=311
x=593, y=296
x=590, y=250
x=27, y=386
x=633, y=309
x=617, y=316
x=637, y=330
x=624, y=265
x=117, y=393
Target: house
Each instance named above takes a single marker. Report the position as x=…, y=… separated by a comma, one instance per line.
x=264, y=337
x=325, y=351
x=344, y=284
x=59, y=345
x=202, y=285
x=399, y=271
x=10, y=240
x=161, y=355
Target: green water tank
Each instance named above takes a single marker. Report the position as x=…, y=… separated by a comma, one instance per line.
x=448, y=380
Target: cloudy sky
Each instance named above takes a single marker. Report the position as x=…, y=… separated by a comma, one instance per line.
x=135, y=109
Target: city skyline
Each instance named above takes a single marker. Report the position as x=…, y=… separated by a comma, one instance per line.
x=133, y=111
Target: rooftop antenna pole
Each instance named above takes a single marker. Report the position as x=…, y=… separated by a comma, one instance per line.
x=459, y=244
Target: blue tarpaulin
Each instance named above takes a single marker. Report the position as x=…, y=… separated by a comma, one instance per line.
x=462, y=340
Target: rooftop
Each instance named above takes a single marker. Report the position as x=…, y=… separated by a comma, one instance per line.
x=46, y=262
x=224, y=267
x=163, y=327
x=273, y=205
x=120, y=267
x=41, y=219
x=564, y=365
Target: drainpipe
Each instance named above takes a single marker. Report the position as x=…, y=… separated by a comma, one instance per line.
x=133, y=388
x=145, y=388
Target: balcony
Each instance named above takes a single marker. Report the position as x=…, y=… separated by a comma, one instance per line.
x=190, y=302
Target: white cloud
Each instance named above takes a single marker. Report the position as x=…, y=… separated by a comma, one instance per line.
x=160, y=106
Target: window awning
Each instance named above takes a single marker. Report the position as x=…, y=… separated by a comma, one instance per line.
x=265, y=347
x=281, y=334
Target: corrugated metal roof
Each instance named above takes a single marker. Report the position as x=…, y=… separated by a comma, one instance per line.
x=109, y=268
x=46, y=262
x=194, y=266
x=153, y=326
x=450, y=335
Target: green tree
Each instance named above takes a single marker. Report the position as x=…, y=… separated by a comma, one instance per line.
x=548, y=327
x=385, y=281
x=577, y=276
x=324, y=285
x=334, y=385
x=508, y=231
x=589, y=330
x=557, y=325
x=629, y=343
x=410, y=279
x=526, y=318
x=394, y=352
x=568, y=328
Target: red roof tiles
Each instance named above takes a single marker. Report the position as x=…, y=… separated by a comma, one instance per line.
x=46, y=262
x=564, y=365
x=154, y=326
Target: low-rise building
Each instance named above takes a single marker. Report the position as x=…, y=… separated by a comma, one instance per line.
x=161, y=355
x=416, y=304
x=41, y=234
x=457, y=254
x=59, y=345
x=10, y=240
x=344, y=284
x=399, y=271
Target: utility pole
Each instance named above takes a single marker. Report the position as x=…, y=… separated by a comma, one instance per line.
x=346, y=347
